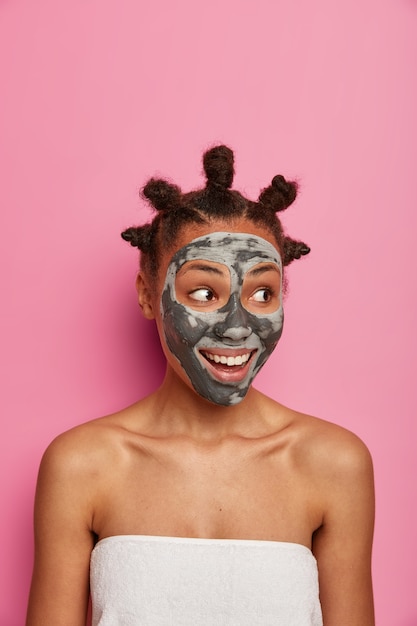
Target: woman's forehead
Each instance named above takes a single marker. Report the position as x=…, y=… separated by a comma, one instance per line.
x=228, y=248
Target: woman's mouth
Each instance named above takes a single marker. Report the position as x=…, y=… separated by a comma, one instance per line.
x=228, y=366
x=230, y=361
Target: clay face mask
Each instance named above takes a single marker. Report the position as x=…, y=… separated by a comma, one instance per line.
x=224, y=328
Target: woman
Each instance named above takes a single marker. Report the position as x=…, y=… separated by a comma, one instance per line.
x=207, y=502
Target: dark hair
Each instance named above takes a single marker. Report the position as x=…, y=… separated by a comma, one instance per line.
x=215, y=200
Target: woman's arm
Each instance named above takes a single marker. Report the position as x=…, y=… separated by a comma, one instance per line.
x=63, y=539
x=343, y=543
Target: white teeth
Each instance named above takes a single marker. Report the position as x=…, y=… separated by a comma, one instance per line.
x=230, y=361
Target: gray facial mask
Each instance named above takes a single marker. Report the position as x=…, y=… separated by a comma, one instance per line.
x=188, y=331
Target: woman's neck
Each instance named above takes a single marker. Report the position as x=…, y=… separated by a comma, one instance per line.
x=177, y=409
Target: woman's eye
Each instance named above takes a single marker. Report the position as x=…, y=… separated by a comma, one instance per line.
x=262, y=295
x=202, y=295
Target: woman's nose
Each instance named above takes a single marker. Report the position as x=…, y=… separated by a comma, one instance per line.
x=235, y=325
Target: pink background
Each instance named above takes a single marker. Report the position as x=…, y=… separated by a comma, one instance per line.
x=97, y=95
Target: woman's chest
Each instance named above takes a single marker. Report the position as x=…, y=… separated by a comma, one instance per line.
x=230, y=491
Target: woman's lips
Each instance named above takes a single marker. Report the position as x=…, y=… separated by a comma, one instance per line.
x=227, y=366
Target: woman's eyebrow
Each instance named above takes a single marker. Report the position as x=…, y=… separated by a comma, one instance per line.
x=202, y=267
x=260, y=269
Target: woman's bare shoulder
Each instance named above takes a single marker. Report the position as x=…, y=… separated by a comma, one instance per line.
x=329, y=447
x=88, y=445
x=319, y=443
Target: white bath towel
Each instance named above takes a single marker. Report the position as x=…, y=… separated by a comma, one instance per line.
x=141, y=580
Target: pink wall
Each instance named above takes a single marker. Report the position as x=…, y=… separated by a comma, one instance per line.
x=100, y=94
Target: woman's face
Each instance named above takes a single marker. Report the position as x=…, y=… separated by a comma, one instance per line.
x=220, y=305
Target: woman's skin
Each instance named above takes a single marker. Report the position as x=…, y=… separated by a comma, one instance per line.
x=175, y=464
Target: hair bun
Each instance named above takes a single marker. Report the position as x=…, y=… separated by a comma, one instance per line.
x=294, y=250
x=138, y=236
x=163, y=195
x=218, y=166
x=279, y=195
x=286, y=188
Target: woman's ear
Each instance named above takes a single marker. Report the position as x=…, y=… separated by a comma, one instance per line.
x=144, y=297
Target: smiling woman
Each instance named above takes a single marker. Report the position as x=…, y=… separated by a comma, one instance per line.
x=207, y=502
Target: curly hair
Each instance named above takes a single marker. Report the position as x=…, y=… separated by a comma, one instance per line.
x=215, y=201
